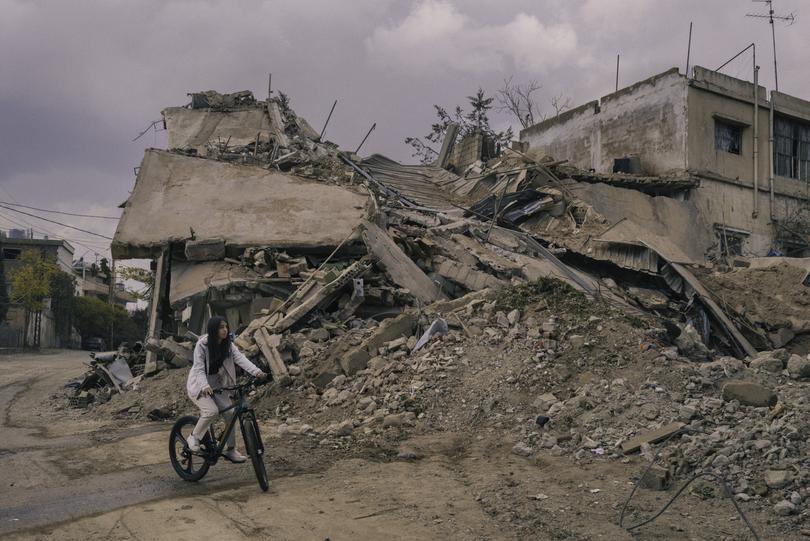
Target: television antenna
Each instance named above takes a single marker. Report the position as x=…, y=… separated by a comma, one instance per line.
x=789, y=19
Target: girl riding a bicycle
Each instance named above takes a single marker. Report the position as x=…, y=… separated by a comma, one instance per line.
x=214, y=367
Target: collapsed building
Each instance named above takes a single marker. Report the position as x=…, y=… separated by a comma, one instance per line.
x=249, y=214
x=581, y=310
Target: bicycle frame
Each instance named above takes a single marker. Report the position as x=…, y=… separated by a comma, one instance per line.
x=241, y=409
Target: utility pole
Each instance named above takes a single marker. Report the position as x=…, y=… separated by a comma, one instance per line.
x=112, y=301
x=789, y=18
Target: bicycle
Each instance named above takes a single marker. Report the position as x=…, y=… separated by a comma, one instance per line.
x=192, y=466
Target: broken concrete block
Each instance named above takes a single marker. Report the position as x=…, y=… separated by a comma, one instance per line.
x=768, y=364
x=784, y=508
x=467, y=276
x=354, y=360
x=656, y=478
x=205, y=250
x=749, y=394
x=798, y=367
x=778, y=478
x=403, y=271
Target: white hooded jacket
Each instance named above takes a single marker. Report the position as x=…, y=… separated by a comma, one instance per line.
x=197, y=377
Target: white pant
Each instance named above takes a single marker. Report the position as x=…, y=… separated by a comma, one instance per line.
x=209, y=409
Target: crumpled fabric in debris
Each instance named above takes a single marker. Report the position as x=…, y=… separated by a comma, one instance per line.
x=437, y=328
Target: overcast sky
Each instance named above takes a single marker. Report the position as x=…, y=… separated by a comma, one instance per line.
x=79, y=79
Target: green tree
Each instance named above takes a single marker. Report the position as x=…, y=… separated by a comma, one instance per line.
x=63, y=295
x=475, y=119
x=93, y=317
x=144, y=276
x=105, y=271
x=31, y=284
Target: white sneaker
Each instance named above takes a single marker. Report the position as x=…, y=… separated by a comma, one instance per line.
x=193, y=444
x=234, y=456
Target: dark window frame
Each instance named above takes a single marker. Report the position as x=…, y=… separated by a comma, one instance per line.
x=791, y=148
x=15, y=253
x=728, y=136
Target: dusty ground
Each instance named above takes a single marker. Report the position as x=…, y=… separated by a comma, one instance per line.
x=66, y=476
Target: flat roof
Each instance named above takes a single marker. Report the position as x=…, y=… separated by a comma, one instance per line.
x=37, y=242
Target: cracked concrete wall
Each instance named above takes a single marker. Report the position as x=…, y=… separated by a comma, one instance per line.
x=647, y=119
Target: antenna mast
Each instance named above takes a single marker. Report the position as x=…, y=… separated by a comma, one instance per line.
x=789, y=18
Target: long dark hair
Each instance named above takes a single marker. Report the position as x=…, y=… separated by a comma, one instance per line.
x=217, y=352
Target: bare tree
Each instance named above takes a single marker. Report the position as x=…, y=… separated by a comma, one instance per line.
x=518, y=100
x=560, y=103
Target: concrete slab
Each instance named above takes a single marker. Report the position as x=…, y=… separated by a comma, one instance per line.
x=245, y=205
x=193, y=128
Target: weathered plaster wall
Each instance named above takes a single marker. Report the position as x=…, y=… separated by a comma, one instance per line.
x=647, y=119
x=193, y=128
x=726, y=194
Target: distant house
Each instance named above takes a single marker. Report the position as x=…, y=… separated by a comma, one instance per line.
x=42, y=331
x=90, y=285
x=748, y=156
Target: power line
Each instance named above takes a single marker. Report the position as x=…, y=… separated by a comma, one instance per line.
x=57, y=223
x=96, y=245
x=59, y=211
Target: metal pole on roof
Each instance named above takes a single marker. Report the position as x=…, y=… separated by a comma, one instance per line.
x=689, y=49
x=366, y=137
x=617, y=73
x=269, y=86
x=325, y=124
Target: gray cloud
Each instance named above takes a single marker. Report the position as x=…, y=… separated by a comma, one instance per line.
x=78, y=80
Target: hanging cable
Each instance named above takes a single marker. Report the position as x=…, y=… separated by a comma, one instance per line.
x=57, y=223
x=59, y=211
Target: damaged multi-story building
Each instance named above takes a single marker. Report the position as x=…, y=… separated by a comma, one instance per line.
x=251, y=215
x=741, y=157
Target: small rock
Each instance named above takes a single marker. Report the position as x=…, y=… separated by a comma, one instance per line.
x=576, y=340
x=408, y=453
x=795, y=498
x=749, y=394
x=344, y=429
x=768, y=364
x=513, y=317
x=784, y=508
x=330, y=394
x=521, y=449
x=798, y=367
x=319, y=335
x=294, y=370
x=656, y=478
x=686, y=413
x=502, y=320
x=545, y=401
x=778, y=478
x=398, y=419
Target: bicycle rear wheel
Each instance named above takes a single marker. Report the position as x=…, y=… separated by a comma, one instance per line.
x=253, y=448
x=189, y=466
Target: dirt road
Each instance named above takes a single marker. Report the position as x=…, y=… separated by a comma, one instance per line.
x=65, y=477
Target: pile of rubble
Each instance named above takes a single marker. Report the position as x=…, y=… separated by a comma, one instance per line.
x=521, y=298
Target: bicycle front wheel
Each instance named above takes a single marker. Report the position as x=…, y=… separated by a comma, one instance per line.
x=189, y=466
x=253, y=448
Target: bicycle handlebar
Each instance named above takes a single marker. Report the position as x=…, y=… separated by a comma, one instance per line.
x=254, y=382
